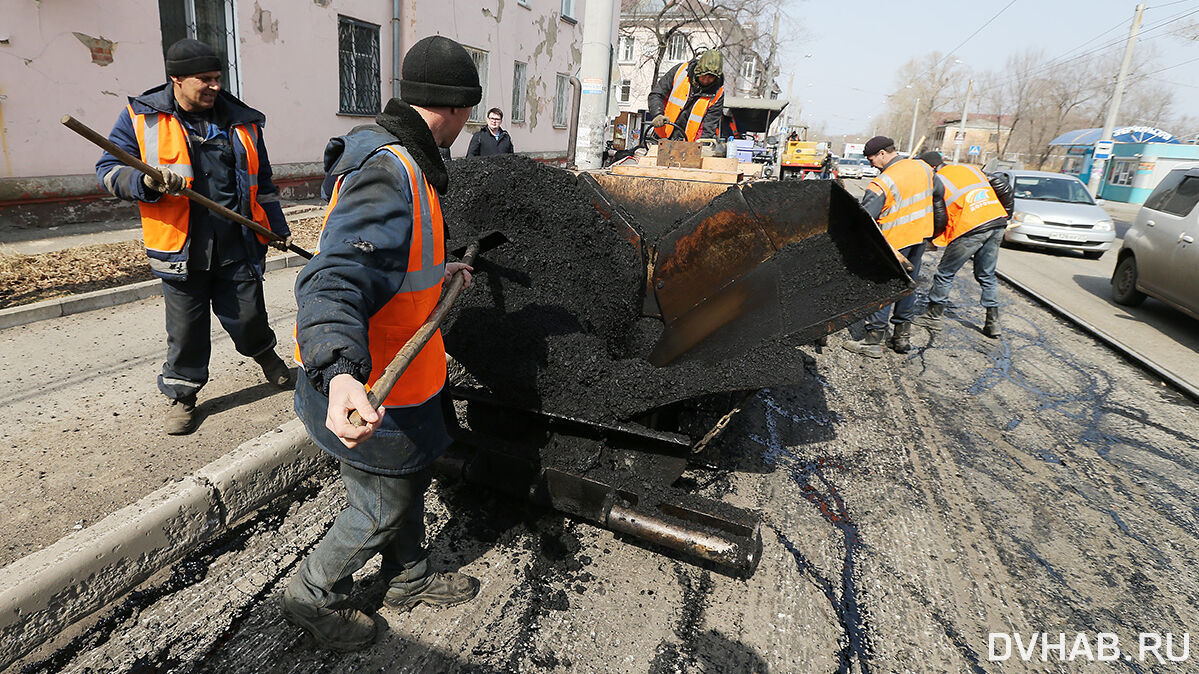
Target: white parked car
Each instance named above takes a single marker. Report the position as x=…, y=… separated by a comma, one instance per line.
x=1160, y=255
x=1055, y=210
x=850, y=168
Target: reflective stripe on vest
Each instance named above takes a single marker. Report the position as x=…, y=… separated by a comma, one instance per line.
x=162, y=141
x=392, y=326
x=970, y=201
x=249, y=141
x=907, y=215
x=679, y=93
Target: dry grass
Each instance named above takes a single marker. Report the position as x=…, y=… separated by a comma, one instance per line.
x=25, y=279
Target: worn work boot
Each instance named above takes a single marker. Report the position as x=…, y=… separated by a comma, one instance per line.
x=274, y=369
x=931, y=318
x=991, y=327
x=347, y=629
x=440, y=590
x=871, y=345
x=181, y=417
x=901, y=340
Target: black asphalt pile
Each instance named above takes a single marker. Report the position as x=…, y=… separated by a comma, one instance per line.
x=553, y=321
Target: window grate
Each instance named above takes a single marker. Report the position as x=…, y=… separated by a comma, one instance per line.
x=561, y=96
x=358, y=66
x=478, y=114
x=519, y=84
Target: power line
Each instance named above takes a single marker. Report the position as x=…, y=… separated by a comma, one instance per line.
x=968, y=38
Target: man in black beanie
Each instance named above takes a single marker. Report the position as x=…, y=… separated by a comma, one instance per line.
x=200, y=137
x=376, y=279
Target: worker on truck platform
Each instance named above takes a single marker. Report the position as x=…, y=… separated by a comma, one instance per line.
x=900, y=198
x=688, y=101
x=375, y=281
x=200, y=137
x=977, y=210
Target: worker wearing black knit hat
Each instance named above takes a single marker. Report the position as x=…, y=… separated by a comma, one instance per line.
x=205, y=139
x=900, y=199
x=376, y=279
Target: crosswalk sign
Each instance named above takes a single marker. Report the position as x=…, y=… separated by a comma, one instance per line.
x=975, y=149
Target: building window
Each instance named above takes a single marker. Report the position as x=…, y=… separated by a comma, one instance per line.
x=561, y=98
x=676, y=47
x=209, y=21
x=625, y=50
x=1122, y=171
x=626, y=90
x=478, y=114
x=358, y=66
x=568, y=9
x=520, y=79
x=749, y=70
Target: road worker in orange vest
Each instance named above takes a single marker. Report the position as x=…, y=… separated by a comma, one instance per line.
x=374, y=282
x=688, y=101
x=977, y=210
x=900, y=199
x=201, y=137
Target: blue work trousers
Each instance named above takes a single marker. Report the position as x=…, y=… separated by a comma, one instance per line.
x=983, y=247
x=905, y=309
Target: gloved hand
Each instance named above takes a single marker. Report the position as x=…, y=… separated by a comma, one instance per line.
x=173, y=183
x=282, y=245
x=660, y=121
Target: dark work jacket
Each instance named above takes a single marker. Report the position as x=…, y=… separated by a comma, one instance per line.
x=363, y=257
x=483, y=144
x=656, y=102
x=217, y=177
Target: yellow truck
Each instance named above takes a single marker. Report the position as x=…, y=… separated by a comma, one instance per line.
x=800, y=158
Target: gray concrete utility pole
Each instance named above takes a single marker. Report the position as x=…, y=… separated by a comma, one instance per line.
x=594, y=73
x=957, y=142
x=1113, y=109
x=912, y=133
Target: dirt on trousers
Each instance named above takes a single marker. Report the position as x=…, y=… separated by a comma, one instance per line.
x=555, y=321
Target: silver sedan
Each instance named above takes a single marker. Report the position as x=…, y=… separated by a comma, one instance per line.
x=1055, y=210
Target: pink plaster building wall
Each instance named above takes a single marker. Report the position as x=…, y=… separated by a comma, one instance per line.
x=85, y=57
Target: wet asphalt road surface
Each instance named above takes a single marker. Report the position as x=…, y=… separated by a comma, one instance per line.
x=912, y=506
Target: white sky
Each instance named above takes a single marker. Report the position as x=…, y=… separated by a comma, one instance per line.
x=858, y=46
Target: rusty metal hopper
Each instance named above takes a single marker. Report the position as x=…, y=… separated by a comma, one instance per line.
x=730, y=267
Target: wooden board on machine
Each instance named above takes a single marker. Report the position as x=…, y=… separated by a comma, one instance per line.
x=699, y=175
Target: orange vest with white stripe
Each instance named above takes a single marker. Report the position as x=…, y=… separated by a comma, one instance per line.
x=392, y=326
x=907, y=215
x=970, y=201
x=162, y=141
x=678, y=98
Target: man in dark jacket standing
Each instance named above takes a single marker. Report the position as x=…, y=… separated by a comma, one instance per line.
x=376, y=279
x=490, y=139
x=200, y=137
x=688, y=101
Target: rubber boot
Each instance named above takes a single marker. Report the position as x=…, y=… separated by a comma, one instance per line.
x=347, y=629
x=274, y=369
x=871, y=345
x=439, y=590
x=991, y=327
x=181, y=417
x=931, y=318
x=901, y=341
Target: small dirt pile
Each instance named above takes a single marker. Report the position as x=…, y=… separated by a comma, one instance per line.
x=553, y=321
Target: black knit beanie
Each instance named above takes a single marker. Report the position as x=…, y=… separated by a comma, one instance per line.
x=188, y=57
x=933, y=158
x=438, y=72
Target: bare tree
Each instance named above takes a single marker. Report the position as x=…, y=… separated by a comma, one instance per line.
x=936, y=80
x=1008, y=95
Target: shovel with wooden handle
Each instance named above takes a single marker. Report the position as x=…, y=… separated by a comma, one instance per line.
x=403, y=358
x=115, y=150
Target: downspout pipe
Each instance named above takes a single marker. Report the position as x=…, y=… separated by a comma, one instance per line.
x=395, y=48
x=572, y=133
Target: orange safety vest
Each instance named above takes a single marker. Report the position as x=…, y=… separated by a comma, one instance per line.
x=907, y=215
x=678, y=98
x=162, y=141
x=970, y=201
x=392, y=326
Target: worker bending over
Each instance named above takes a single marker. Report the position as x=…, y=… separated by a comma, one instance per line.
x=977, y=209
x=690, y=96
x=901, y=199
x=376, y=279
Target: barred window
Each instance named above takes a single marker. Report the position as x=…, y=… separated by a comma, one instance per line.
x=561, y=96
x=520, y=80
x=478, y=114
x=626, y=90
x=358, y=66
x=676, y=47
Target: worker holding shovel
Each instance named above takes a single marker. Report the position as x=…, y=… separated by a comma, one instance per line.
x=205, y=141
x=370, y=290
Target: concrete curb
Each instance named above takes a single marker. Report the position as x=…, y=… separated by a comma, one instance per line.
x=43, y=593
x=109, y=297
